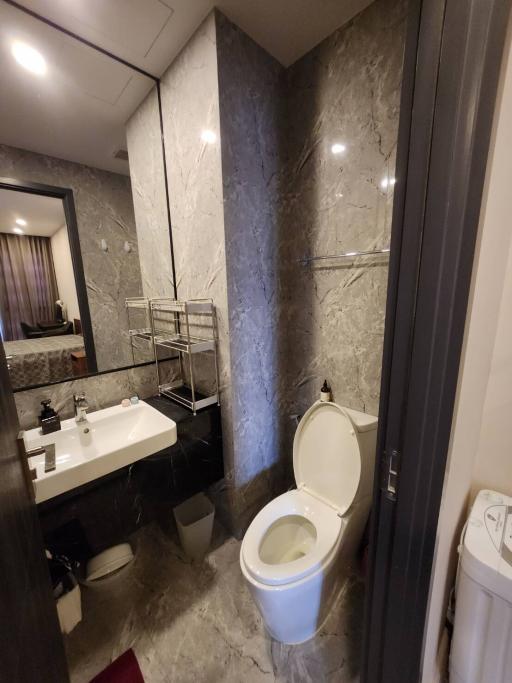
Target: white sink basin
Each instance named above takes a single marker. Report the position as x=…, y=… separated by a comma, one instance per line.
x=110, y=439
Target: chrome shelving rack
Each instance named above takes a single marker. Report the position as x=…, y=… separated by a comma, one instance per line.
x=138, y=307
x=189, y=328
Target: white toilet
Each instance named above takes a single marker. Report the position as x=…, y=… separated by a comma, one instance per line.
x=297, y=549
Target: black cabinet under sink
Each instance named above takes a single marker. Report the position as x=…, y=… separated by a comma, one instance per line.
x=108, y=509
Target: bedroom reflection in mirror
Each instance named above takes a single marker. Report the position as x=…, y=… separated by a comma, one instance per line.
x=39, y=312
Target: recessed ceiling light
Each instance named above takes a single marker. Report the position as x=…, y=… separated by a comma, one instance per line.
x=18, y=231
x=208, y=136
x=21, y=221
x=29, y=58
x=338, y=148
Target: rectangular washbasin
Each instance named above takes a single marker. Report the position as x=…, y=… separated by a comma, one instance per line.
x=110, y=439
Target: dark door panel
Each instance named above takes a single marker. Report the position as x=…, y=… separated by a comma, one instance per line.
x=455, y=54
x=31, y=646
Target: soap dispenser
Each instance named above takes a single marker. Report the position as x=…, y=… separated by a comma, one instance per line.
x=325, y=392
x=48, y=419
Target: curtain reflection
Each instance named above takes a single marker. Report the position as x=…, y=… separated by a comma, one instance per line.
x=28, y=286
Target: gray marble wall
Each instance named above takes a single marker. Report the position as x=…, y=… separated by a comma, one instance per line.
x=104, y=210
x=190, y=104
x=251, y=106
x=344, y=92
x=150, y=203
x=255, y=185
x=222, y=100
x=286, y=194
x=101, y=391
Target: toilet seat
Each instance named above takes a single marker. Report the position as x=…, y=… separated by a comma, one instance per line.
x=327, y=455
x=316, y=514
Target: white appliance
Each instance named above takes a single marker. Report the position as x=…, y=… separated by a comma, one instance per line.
x=481, y=649
x=297, y=549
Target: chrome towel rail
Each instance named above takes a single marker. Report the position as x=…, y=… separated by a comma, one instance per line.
x=347, y=254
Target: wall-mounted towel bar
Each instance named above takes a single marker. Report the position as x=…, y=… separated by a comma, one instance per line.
x=347, y=254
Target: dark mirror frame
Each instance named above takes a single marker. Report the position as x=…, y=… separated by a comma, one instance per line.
x=66, y=195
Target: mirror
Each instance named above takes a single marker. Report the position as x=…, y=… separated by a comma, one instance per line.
x=70, y=131
x=40, y=320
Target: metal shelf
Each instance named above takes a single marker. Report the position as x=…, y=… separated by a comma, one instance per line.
x=188, y=328
x=192, y=306
x=182, y=394
x=139, y=324
x=137, y=302
x=180, y=342
x=347, y=254
x=144, y=333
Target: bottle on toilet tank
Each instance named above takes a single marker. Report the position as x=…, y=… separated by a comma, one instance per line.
x=325, y=392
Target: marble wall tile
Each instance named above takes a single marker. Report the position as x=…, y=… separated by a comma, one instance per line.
x=101, y=391
x=190, y=104
x=347, y=92
x=104, y=210
x=287, y=194
x=150, y=202
x=251, y=105
x=263, y=189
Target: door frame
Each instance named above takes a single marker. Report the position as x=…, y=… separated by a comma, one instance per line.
x=452, y=65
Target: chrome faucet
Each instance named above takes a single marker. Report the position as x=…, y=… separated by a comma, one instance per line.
x=81, y=408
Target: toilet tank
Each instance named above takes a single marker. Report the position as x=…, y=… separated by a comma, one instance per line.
x=366, y=426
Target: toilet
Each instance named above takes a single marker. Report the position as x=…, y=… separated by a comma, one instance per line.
x=297, y=550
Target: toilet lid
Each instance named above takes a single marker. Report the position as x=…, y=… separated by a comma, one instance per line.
x=326, y=456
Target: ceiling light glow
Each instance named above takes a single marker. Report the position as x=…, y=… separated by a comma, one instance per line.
x=29, y=58
x=18, y=231
x=338, y=148
x=21, y=221
x=208, y=136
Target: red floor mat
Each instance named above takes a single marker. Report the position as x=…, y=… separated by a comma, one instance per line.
x=125, y=669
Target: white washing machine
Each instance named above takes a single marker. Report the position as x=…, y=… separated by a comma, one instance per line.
x=481, y=649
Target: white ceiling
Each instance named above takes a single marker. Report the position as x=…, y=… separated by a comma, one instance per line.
x=150, y=33
x=78, y=110
x=44, y=215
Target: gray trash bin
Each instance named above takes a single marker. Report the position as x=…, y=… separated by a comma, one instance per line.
x=194, y=519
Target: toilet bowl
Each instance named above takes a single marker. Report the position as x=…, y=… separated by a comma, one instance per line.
x=297, y=550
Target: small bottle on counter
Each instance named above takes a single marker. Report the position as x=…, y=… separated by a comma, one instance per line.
x=325, y=392
x=48, y=419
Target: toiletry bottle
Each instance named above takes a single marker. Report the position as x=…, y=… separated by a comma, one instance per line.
x=325, y=392
x=48, y=419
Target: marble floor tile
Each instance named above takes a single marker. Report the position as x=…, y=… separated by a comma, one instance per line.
x=198, y=623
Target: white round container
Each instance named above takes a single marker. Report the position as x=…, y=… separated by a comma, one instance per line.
x=480, y=651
